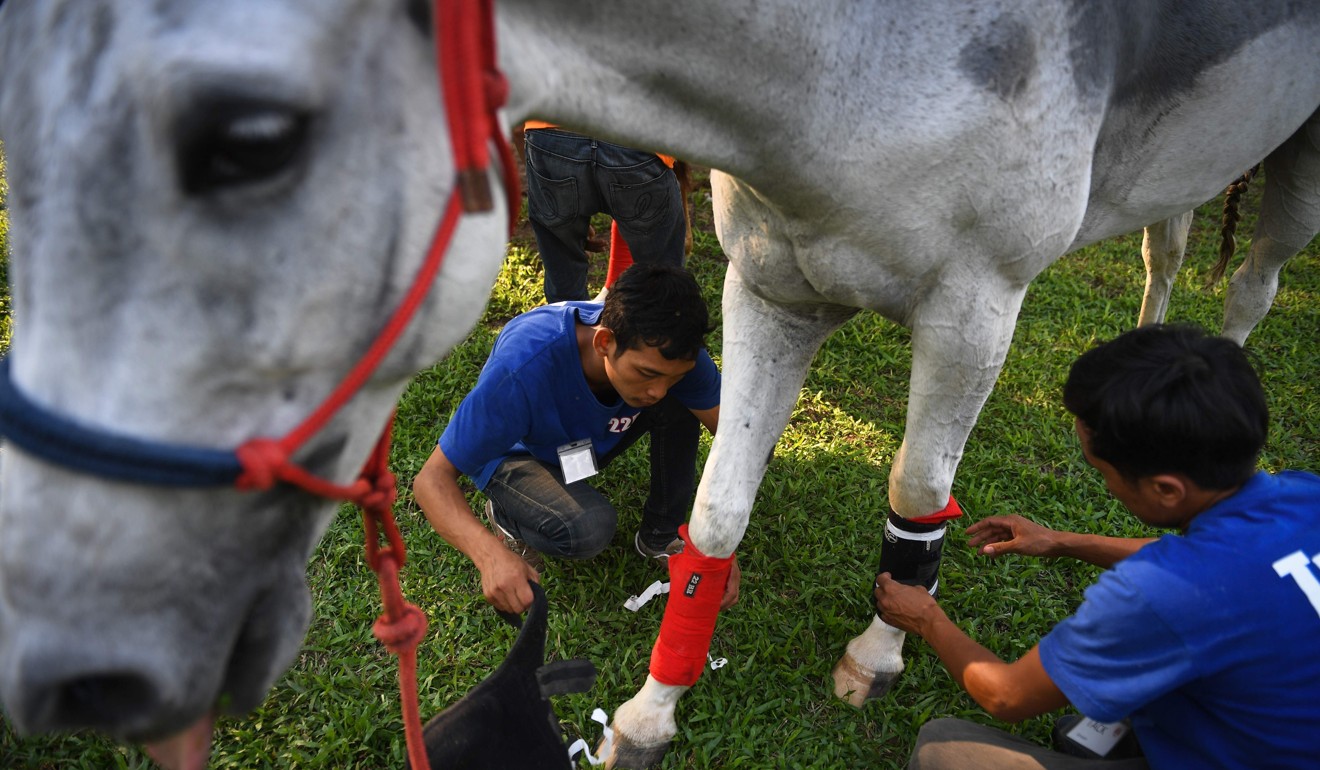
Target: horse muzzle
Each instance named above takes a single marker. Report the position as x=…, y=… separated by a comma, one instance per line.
x=138, y=681
x=120, y=612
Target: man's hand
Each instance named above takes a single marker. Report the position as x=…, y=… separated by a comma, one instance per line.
x=1009, y=691
x=504, y=574
x=504, y=581
x=732, y=586
x=999, y=535
x=905, y=607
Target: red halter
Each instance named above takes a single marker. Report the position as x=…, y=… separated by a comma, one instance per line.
x=473, y=89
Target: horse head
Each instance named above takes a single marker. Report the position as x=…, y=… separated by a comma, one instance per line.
x=214, y=209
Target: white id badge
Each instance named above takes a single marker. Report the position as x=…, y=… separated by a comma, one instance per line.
x=577, y=460
x=1099, y=737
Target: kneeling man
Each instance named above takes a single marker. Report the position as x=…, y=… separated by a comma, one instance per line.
x=566, y=389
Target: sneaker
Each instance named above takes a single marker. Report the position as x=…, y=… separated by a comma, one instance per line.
x=528, y=554
x=663, y=553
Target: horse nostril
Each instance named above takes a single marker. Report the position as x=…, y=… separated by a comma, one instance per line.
x=103, y=701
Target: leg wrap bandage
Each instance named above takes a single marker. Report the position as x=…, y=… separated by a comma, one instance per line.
x=913, y=548
x=696, y=587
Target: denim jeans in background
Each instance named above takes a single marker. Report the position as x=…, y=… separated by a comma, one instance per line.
x=532, y=502
x=571, y=177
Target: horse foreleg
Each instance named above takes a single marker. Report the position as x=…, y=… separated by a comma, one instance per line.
x=767, y=350
x=1162, y=248
x=1289, y=219
x=960, y=337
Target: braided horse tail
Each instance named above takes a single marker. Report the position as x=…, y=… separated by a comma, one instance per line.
x=1229, y=222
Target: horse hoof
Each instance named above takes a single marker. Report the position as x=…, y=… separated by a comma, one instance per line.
x=627, y=755
x=855, y=684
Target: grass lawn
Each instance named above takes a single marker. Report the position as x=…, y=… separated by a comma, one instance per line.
x=808, y=558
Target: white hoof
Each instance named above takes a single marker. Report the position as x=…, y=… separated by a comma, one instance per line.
x=643, y=727
x=870, y=666
x=857, y=684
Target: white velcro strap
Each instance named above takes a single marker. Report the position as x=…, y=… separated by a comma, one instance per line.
x=580, y=745
x=894, y=532
x=635, y=603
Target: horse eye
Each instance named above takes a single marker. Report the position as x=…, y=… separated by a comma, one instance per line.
x=241, y=146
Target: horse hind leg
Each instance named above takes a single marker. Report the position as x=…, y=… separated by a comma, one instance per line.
x=1289, y=219
x=1162, y=248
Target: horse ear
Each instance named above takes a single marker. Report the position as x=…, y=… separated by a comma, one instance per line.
x=419, y=12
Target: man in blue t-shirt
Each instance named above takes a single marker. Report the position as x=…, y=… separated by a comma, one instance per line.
x=1205, y=640
x=566, y=389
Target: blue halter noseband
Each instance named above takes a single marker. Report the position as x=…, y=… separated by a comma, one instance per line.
x=61, y=441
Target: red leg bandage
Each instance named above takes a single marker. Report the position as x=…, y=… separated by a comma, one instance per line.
x=950, y=511
x=696, y=586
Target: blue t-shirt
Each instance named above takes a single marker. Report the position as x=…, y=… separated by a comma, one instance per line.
x=532, y=396
x=1209, y=641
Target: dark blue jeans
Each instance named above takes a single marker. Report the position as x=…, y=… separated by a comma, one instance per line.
x=570, y=177
x=532, y=502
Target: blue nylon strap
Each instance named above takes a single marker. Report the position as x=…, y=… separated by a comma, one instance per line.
x=44, y=434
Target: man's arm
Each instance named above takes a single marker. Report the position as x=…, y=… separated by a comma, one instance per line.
x=708, y=417
x=504, y=574
x=999, y=535
x=1008, y=691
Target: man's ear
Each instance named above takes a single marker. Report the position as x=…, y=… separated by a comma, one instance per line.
x=1169, y=489
x=602, y=341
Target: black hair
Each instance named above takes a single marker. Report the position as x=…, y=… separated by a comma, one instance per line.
x=660, y=306
x=1170, y=398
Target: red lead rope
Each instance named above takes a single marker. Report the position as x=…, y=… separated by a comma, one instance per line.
x=473, y=90
x=402, y=626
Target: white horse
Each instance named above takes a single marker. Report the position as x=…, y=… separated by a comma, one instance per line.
x=212, y=203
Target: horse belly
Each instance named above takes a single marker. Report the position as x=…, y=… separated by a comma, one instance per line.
x=1154, y=162
x=805, y=261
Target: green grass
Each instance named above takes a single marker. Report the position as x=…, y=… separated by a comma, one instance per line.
x=808, y=557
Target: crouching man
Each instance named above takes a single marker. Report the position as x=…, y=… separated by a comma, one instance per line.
x=1206, y=638
x=566, y=389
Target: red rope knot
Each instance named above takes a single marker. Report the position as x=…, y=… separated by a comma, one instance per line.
x=402, y=633
x=380, y=497
x=262, y=459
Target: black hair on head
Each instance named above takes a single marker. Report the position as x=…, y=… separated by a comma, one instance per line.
x=660, y=306
x=1170, y=398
